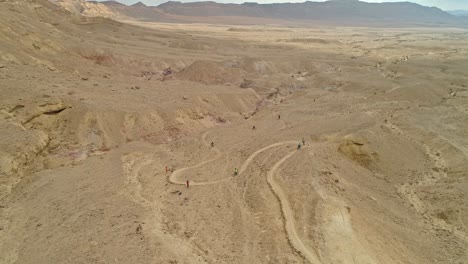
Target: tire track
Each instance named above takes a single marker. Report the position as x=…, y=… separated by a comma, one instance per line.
x=293, y=237
x=288, y=216
x=173, y=178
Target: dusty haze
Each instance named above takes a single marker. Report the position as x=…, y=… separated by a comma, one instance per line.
x=93, y=111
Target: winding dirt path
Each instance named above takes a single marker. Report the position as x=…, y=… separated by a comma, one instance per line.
x=132, y=164
x=173, y=178
x=176, y=173
x=287, y=212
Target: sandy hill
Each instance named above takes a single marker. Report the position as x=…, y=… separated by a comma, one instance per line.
x=137, y=11
x=74, y=6
x=319, y=145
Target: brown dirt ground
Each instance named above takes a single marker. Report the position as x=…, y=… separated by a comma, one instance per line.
x=90, y=117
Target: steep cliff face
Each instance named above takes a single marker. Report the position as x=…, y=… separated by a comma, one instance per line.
x=104, y=10
x=74, y=6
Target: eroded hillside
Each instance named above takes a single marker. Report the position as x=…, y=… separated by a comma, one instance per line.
x=103, y=123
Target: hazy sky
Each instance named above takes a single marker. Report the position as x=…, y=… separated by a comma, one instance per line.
x=443, y=4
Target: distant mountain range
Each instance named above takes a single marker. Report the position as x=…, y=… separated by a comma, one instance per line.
x=458, y=12
x=335, y=12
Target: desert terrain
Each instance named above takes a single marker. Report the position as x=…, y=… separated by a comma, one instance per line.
x=102, y=123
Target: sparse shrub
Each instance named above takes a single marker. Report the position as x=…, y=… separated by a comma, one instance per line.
x=221, y=120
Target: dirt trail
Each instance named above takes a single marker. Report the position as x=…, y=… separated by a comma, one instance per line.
x=132, y=165
x=173, y=177
x=402, y=86
x=288, y=214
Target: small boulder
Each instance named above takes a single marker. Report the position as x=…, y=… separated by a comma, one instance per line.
x=168, y=71
x=246, y=84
